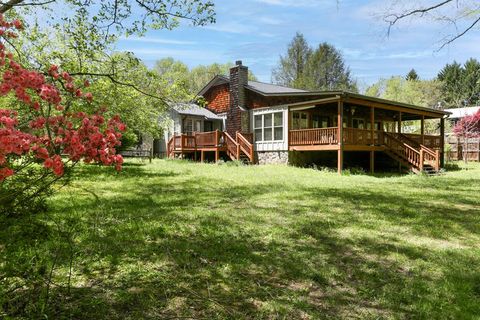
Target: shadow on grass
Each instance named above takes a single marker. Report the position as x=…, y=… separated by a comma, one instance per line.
x=204, y=249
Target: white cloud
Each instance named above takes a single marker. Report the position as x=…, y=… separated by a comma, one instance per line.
x=158, y=40
x=189, y=54
x=231, y=27
x=294, y=3
x=270, y=20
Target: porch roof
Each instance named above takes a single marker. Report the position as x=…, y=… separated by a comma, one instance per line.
x=319, y=97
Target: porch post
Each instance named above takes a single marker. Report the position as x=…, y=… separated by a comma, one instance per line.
x=340, y=136
x=422, y=129
x=372, y=124
x=399, y=129
x=442, y=142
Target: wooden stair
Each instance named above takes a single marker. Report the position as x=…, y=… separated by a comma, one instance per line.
x=411, y=154
x=239, y=148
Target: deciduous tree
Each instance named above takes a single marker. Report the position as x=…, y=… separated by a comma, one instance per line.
x=56, y=124
x=467, y=128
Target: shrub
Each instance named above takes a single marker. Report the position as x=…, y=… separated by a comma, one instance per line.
x=48, y=133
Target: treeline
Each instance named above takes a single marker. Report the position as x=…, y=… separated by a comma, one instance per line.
x=177, y=74
x=455, y=86
x=324, y=68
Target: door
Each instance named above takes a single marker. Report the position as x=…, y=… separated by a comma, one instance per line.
x=207, y=126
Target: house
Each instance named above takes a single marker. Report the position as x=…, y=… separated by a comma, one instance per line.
x=458, y=113
x=265, y=123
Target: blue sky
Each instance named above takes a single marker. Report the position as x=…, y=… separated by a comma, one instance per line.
x=258, y=31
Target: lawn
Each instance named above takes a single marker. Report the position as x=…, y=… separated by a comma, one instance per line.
x=180, y=240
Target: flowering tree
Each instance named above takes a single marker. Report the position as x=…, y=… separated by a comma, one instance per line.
x=467, y=128
x=47, y=133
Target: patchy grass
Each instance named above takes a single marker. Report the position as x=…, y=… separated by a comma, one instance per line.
x=175, y=239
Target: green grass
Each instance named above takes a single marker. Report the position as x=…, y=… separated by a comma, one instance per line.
x=176, y=240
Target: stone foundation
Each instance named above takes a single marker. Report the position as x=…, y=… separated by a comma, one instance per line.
x=272, y=157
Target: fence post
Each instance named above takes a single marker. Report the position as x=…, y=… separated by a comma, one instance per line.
x=151, y=155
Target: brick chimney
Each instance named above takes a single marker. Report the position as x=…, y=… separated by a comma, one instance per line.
x=237, y=115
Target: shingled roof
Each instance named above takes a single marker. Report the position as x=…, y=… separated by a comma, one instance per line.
x=193, y=109
x=257, y=86
x=269, y=88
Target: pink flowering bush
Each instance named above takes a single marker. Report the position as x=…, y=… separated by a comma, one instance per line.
x=46, y=136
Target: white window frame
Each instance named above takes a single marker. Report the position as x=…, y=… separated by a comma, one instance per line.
x=271, y=128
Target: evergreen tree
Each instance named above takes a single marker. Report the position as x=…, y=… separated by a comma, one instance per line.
x=471, y=81
x=461, y=84
x=412, y=76
x=291, y=68
x=326, y=70
x=320, y=69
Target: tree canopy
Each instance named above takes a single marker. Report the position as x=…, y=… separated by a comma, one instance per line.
x=188, y=82
x=80, y=37
x=424, y=93
x=291, y=68
x=461, y=83
x=305, y=68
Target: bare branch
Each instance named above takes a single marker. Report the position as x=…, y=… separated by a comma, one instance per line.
x=112, y=78
x=19, y=3
x=477, y=21
x=397, y=18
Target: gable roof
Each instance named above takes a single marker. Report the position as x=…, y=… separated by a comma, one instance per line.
x=457, y=113
x=217, y=80
x=193, y=109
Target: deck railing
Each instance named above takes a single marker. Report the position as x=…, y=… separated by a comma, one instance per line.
x=207, y=139
x=354, y=136
x=362, y=136
x=430, y=141
x=313, y=136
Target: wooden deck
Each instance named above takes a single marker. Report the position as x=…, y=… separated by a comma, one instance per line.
x=414, y=151
x=238, y=148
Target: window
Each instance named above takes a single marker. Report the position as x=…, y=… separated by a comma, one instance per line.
x=268, y=126
x=319, y=121
x=358, y=123
x=299, y=120
x=190, y=126
x=377, y=126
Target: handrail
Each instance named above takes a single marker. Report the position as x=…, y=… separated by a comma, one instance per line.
x=170, y=147
x=428, y=155
x=245, y=146
x=407, y=139
x=404, y=151
x=233, y=148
